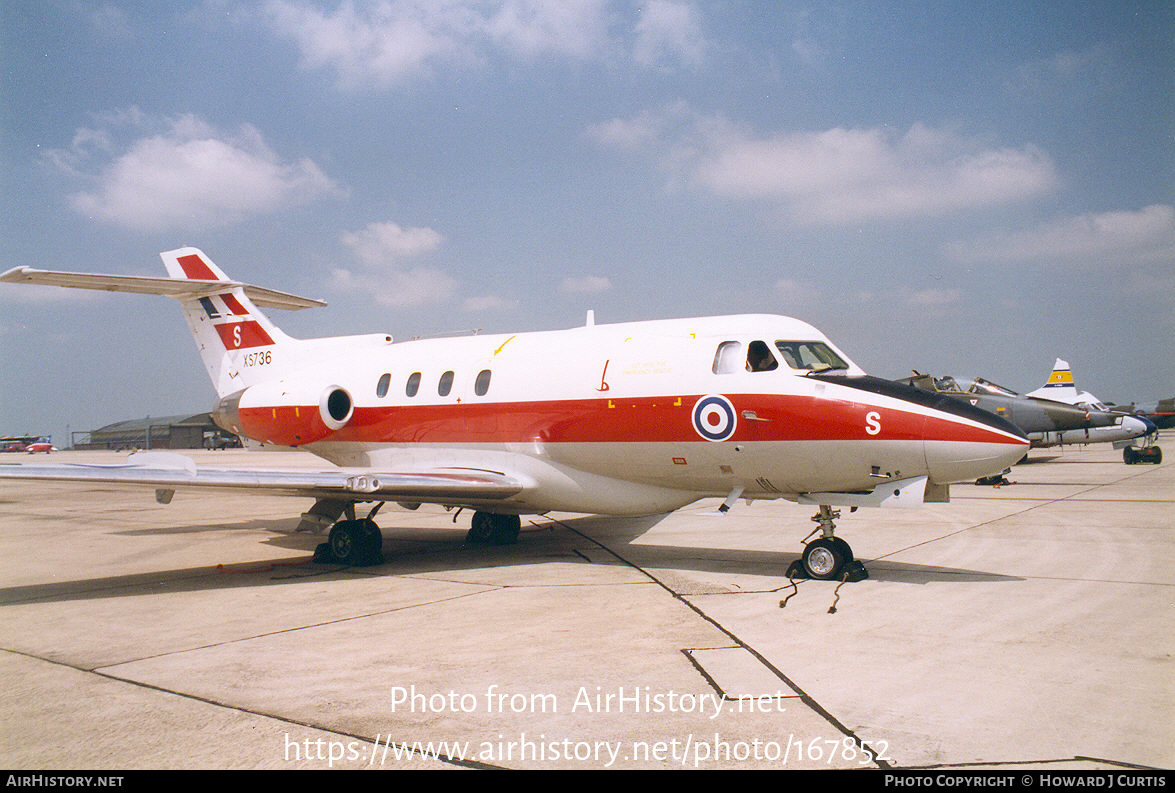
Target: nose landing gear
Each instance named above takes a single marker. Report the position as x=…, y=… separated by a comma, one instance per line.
x=828, y=557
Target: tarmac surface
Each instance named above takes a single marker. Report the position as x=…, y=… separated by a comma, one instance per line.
x=1022, y=626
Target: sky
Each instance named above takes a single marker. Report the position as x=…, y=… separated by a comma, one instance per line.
x=957, y=188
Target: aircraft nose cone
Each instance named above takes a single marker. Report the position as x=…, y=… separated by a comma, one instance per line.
x=964, y=443
x=969, y=450
x=1138, y=426
x=960, y=442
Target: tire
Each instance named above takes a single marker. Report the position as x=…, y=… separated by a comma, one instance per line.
x=845, y=550
x=823, y=559
x=481, y=529
x=356, y=543
x=487, y=528
x=506, y=529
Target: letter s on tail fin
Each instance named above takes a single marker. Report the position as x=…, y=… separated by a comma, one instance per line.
x=223, y=314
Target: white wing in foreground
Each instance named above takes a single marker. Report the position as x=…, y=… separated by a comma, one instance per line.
x=166, y=471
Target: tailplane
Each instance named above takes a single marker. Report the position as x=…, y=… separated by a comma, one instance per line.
x=237, y=341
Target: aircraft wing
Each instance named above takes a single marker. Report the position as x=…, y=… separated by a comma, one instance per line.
x=167, y=472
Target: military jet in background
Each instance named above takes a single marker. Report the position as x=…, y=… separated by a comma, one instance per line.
x=1046, y=422
x=1162, y=414
x=1061, y=387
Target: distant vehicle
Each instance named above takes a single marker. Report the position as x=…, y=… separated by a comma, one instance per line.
x=21, y=443
x=41, y=445
x=1162, y=414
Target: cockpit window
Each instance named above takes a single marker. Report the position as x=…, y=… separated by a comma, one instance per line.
x=815, y=356
x=981, y=386
x=759, y=357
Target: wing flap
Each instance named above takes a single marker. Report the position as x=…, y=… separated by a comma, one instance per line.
x=175, y=472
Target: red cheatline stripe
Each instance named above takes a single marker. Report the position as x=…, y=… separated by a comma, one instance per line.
x=647, y=420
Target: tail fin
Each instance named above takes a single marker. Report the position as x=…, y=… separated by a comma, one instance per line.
x=236, y=340
x=238, y=343
x=1060, y=386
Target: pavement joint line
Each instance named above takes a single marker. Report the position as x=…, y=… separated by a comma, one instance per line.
x=804, y=697
x=965, y=529
x=97, y=672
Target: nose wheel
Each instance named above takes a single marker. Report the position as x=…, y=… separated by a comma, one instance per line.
x=829, y=557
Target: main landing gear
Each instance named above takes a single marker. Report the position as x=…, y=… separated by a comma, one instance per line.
x=1133, y=455
x=490, y=529
x=828, y=557
x=357, y=542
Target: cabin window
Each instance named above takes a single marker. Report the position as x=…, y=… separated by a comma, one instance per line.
x=815, y=356
x=446, y=384
x=482, y=384
x=759, y=357
x=413, y=384
x=728, y=357
x=381, y=388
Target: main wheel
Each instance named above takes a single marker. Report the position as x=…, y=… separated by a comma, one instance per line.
x=481, y=529
x=824, y=558
x=487, y=528
x=355, y=542
x=506, y=529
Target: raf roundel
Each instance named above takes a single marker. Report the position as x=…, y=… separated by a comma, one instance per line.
x=714, y=417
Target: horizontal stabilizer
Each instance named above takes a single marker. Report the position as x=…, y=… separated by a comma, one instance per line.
x=179, y=288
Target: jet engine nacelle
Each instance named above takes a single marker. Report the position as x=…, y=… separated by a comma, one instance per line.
x=285, y=413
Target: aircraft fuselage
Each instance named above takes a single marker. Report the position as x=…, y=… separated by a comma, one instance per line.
x=629, y=418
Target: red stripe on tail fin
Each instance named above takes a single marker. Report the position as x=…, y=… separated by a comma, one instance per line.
x=234, y=305
x=194, y=267
x=239, y=335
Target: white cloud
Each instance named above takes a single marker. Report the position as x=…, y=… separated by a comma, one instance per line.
x=1100, y=240
x=571, y=28
x=187, y=174
x=668, y=32
x=388, y=41
x=381, y=243
x=834, y=176
x=487, y=303
x=399, y=288
x=585, y=285
x=381, y=249
x=382, y=41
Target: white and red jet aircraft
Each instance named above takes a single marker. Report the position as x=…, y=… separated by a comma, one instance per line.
x=624, y=419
